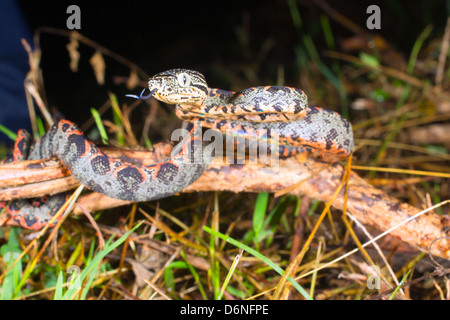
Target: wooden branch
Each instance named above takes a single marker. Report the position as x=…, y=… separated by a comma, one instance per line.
x=365, y=202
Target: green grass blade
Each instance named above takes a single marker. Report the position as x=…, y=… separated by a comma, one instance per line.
x=117, y=116
x=195, y=275
x=295, y=15
x=99, y=124
x=59, y=287
x=327, y=32
x=40, y=127
x=258, y=255
x=9, y=253
x=400, y=284
x=416, y=48
x=259, y=213
x=229, y=274
x=10, y=134
x=169, y=278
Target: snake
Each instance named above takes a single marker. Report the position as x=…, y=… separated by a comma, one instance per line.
x=279, y=115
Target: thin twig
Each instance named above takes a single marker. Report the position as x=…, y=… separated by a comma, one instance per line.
x=94, y=225
x=443, y=56
x=371, y=241
x=91, y=43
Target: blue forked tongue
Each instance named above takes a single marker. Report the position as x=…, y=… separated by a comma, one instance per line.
x=141, y=97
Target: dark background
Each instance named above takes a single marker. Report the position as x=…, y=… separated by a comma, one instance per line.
x=209, y=36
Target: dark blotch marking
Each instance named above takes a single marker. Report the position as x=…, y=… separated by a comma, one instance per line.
x=94, y=186
x=57, y=201
x=167, y=172
x=80, y=145
x=93, y=149
x=308, y=119
x=225, y=93
x=278, y=108
x=14, y=207
x=35, y=166
x=330, y=138
x=346, y=123
x=100, y=165
x=372, y=199
x=22, y=146
x=30, y=220
x=129, y=178
x=298, y=108
x=347, y=142
x=274, y=89
x=394, y=206
x=221, y=123
x=65, y=127
x=313, y=110
x=208, y=108
x=329, y=144
x=201, y=87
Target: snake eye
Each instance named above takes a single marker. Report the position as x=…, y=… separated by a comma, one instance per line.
x=183, y=79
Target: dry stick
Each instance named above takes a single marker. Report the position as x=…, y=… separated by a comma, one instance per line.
x=380, y=252
x=157, y=290
x=32, y=82
x=404, y=171
x=443, y=56
x=32, y=90
x=339, y=17
x=94, y=224
x=30, y=78
x=367, y=203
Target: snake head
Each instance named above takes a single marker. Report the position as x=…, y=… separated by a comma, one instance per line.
x=179, y=86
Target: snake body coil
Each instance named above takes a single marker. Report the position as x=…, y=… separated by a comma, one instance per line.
x=277, y=114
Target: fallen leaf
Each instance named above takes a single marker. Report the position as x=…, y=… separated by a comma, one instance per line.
x=74, y=55
x=133, y=80
x=98, y=65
